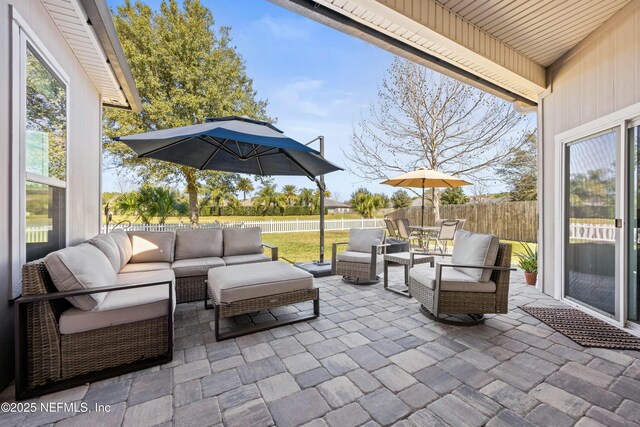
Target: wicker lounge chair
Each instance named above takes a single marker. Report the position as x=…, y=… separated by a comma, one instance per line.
x=475, y=282
x=363, y=259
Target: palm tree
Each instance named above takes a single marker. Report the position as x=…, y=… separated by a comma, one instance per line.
x=220, y=197
x=266, y=197
x=289, y=193
x=366, y=204
x=305, y=196
x=149, y=202
x=315, y=203
x=244, y=185
x=165, y=204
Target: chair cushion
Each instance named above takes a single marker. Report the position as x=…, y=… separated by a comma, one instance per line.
x=126, y=306
x=145, y=266
x=361, y=239
x=245, y=259
x=198, y=243
x=357, y=257
x=122, y=241
x=109, y=248
x=242, y=241
x=236, y=282
x=195, y=266
x=81, y=267
x=152, y=246
x=453, y=280
x=475, y=249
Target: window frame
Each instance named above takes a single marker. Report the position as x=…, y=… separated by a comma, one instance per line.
x=23, y=38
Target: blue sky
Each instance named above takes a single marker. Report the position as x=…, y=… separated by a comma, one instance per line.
x=317, y=80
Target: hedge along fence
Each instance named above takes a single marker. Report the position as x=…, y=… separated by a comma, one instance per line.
x=508, y=220
x=259, y=211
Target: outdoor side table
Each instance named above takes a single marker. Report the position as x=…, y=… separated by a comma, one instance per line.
x=404, y=259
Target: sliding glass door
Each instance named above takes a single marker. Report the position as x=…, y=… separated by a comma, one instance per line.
x=590, y=238
x=633, y=215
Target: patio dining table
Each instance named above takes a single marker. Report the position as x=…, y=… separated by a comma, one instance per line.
x=424, y=232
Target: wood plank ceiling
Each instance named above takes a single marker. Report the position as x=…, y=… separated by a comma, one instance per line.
x=72, y=23
x=542, y=30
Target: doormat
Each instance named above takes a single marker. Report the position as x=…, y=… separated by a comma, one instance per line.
x=584, y=329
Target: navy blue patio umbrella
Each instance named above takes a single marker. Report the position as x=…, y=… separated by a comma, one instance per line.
x=232, y=144
x=239, y=145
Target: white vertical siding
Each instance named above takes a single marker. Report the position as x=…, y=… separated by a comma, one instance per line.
x=83, y=147
x=600, y=77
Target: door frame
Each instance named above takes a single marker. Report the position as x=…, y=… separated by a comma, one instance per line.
x=619, y=121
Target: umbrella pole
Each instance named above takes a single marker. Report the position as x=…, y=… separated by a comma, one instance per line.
x=422, y=215
x=321, y=204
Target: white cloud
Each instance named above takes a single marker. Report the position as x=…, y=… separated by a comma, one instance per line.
x=286, y=29
x=311, y=96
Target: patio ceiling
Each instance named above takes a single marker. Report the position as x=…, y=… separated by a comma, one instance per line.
x=88, y=29
x=501, y=46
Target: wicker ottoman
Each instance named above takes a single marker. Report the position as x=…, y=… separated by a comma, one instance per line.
x=240, y=289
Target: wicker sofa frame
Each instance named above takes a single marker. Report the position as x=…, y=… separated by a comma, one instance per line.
x=47, y=361
x=252, y=305
x=436, y=302
x=189, y=289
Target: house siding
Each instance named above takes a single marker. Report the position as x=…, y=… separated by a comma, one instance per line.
x=84, y=147
x=600, y=76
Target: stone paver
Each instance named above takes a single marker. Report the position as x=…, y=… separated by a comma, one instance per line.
x=384, y=406
x=371, y=359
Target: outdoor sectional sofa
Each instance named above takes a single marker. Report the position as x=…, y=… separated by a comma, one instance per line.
x=105, y=307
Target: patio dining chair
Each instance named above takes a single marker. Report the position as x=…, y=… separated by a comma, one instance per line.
x=475, y=282
x=406, y=234
x=391, y=228
x=442, y=237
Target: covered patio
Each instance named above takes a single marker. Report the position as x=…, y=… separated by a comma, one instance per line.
x=371, y=359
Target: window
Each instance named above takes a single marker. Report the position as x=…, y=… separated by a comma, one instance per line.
x=45, y=148
x=39, y=106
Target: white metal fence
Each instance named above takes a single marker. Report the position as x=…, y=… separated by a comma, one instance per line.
x=605, y=232
x=271, y=226
x=38, y=234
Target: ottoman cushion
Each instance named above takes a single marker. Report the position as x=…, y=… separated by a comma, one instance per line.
x=237, y=282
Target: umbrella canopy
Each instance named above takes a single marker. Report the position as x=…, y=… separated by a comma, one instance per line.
x=231, y=144
x=425, y=178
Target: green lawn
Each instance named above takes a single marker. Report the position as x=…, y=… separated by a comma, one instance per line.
x=305, y=246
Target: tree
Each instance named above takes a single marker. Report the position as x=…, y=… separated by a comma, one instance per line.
x=306, y=197
x=454, y=196
x=400, y=199
x=366, y=203
x=185, y=70
x=425, y=119
x=315, y=204
x=266, y=197
x=150, y=202
x=520, y=171
x=244, y=185
x=290, y=194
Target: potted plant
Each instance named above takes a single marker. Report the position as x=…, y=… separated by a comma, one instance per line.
x=528, y=261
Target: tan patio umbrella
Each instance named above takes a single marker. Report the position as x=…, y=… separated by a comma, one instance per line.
x=425, y=178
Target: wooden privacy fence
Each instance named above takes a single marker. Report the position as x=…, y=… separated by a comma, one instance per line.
x=508, y=220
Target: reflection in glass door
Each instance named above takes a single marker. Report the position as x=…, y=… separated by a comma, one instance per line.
x=633, y=290
x=590, y=237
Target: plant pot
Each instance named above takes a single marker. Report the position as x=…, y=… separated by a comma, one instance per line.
x=530, y=278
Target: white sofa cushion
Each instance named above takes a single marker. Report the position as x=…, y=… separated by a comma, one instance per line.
x=121, y=239
x=133, y=267
x=121, y=307
x=361, y=239
x=152, y=246
x=242, y=241
x=475, y=249
x=452, y=280
x=195, y=266
x=237, y=282
x=81, y=267
x=357, y=257
x=245, y=259
x=109, y=248
x=198, y=243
